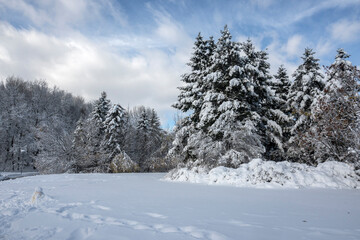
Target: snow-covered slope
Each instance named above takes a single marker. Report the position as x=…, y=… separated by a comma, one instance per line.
x=141, y=207
x=269, y=174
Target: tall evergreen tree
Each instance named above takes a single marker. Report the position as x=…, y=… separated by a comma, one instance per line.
x=148, y=136
x=282, y=85
x=235, y=89
x=262, y=101
x=279, y=114
x=101, y=109
x=191, y=96
x=308, y=84
x=115, y=125
x=192, y=92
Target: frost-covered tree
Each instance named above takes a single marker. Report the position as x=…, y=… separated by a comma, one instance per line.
x=278, y=113
x=88, y=150
x=36, y=125
x=146, y=137
x=263, y=103
x=281, y=85
x=336, y=129
x=232, y=126
x=308, y=84
x=100, y=110
x=82, y=157
x=143, y=135
x=115, y=125
x=191, y=95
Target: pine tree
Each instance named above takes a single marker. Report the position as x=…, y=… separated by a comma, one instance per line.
x=143, y=138
x=234, y=92
x=218, y=128
x=148, y=136
x=115, y=125
x=79, y=148
x=278, y=113
x=282, y=85
x=101, y=109
x=191, y=96
x=262, y=101
x=155, y=129
x=308, y=84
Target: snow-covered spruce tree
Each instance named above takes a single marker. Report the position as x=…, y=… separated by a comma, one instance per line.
x=152, y=138
x=88, y=152
x=191, y=98
x=264, y=104
x=101, y=109
x=279, y=113
x=308, y=84
x=80, y=159
x=115, y=125
x=202, y=139
x=142, y=127
x=235, y=94
x=282, y=85
x=335, y=132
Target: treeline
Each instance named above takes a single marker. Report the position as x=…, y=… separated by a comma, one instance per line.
x=52, y=131
x=239, y=111
x=236, y=111
x=113, y=139
x=36, y=124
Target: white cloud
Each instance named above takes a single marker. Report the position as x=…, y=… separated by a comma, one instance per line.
x=84, y=67
x=345, y=30
x=63, y=16
x=294, y=45
x=278, y=57
x=322, y=5
x=324, y=47
x=263, y=3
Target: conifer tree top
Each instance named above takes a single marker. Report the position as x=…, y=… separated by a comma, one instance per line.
x=310, y=62
x=341, y=54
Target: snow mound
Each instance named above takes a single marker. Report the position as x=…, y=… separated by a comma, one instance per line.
x=37, y=195
x=269, y=174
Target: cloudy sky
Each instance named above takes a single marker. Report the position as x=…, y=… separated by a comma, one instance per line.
x=136, y=50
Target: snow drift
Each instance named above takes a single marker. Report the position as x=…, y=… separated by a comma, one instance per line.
x=269, y=174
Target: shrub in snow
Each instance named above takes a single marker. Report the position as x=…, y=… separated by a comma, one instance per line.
x=123, y=163
x=38, y=194
x=269, y=174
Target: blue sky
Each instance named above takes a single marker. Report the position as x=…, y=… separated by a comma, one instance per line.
x=137, y=50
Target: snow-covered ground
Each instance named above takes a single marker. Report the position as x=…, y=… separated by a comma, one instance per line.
x=141, y=206
x=269, y=174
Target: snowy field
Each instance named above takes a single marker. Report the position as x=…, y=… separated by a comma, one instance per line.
x=140, y=206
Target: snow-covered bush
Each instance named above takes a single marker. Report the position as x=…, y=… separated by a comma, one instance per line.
x=123, y=163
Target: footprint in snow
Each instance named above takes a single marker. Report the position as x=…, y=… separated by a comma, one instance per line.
x=156, y=215
x=101, y=207
x=81, y=233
